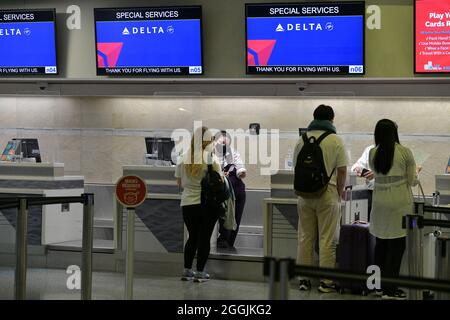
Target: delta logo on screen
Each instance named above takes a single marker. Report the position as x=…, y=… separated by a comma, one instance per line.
x=259, y=52
x=129, y=31
x=108, y=54
x=15, y=32
x=329, y=26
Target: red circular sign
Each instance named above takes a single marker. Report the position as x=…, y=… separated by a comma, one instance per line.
x=131, y=191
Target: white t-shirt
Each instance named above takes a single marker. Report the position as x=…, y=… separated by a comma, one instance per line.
x=333, y=151
x=392, y=195
x=363, y=162
x=191, y=185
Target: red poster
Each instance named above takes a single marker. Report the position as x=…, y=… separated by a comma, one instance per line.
x=432, y=32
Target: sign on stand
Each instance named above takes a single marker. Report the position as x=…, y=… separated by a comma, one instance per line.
x=131, y=191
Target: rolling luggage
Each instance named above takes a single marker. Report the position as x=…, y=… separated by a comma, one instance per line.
x=356, y=251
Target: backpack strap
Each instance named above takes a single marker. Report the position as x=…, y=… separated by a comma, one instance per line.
x=323, y=136
x=318, y=141
x=305, y=138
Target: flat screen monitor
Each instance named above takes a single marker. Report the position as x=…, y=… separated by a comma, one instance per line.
x=160, y=148
x=323, y=38
x=432, y=36
x=28, y=42
x=149, y=41
x=29, y=148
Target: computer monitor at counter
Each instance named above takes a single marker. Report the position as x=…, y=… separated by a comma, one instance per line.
x=23, y=148
x=161, y=150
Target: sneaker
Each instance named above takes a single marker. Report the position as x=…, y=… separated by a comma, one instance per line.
x=188, y=275
x=304, y=285
x=396, y=295
x=327, y=287
x=201, y=276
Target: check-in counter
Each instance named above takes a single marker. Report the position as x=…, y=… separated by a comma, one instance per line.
x=442, y=182
x=47, y=225
x=159, y=226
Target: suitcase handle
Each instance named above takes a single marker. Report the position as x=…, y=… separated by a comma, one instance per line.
x=360, y=222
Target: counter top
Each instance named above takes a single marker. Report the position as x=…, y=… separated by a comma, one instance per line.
x=32, y=164
x=31, y=169
x=148, y=168
x=159, y=179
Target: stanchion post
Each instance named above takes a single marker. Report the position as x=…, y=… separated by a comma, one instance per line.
x=414, y=245
x=284, y=278
x=271, y=263
x=88, y=240
x=129, y=268
x=443, y=264
x=20, y=279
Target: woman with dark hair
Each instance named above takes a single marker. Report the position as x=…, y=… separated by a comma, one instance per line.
x=395, y=173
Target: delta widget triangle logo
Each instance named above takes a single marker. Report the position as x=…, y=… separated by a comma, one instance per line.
x=259, y=52
x=279, y=28
x=108, y=53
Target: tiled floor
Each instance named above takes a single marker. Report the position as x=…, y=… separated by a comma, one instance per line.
x=47, y=284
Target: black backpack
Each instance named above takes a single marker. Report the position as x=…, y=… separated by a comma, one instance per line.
x=311, y=178
x=214, y=191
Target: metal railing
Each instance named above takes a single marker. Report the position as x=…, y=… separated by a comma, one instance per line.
x=414, y=224
x=22, y=204
x=281, y=271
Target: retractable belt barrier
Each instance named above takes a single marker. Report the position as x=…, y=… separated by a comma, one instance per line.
x=22, y=204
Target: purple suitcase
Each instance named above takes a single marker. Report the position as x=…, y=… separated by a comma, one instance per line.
x=356, y=253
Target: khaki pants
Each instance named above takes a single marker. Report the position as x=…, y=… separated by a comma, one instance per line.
x=320, y=216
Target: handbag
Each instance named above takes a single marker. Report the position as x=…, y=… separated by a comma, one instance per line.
x=229, y=217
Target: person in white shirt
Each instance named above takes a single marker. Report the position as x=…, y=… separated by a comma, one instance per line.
x=358, y=167
x=395, y=172
x=200, y=223
x=322, y=215
x=233, y=166
x=363, y=163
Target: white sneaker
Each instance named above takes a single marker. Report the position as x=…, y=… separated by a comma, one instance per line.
x=201, y=276
x=396, y=295
x=188, y=275
x=327, y=287
x=379, y=293
x=304, y=285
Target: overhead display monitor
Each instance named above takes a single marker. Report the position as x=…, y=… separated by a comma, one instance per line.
x=149, y=41
x=432, y=36
x=305, y=38
x=28, y=42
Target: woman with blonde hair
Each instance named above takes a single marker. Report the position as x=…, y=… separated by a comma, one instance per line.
x=199, y=221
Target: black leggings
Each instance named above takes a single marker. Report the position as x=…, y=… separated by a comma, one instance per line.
x=200, y=224
x=388, y=256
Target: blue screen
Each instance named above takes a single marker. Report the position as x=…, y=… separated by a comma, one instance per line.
x=160, y=43
x=303, y=41
x=28, y=44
